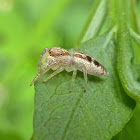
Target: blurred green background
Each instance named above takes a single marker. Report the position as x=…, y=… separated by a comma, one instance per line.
x=26, y=28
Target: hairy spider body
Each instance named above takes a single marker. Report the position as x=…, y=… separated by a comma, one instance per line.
x=59, y=59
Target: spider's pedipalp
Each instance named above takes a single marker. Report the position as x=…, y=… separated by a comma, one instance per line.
x=43, y=59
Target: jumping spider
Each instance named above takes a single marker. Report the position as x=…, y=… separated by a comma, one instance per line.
x=59, y=59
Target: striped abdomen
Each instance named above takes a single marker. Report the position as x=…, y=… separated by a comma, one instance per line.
x=92, y=66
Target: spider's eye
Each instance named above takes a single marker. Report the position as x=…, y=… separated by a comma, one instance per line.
x=61, y=53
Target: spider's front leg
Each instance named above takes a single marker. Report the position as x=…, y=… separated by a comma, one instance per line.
x=41, y=72
x=60, y=69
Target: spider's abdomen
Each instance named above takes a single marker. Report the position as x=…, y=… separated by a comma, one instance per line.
x=92, y=66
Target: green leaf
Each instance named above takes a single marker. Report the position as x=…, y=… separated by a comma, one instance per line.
x=132, y=129
x=132, y=18
x=125, y=60
x=125, y=54
x=95, y=21
x=100, y=113
x=135, y=36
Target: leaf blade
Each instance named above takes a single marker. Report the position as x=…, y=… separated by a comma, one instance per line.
x=95, y=22
x=125, y=58
x=61, y=115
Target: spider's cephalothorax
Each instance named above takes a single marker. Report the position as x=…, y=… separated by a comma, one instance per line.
x=59, y=59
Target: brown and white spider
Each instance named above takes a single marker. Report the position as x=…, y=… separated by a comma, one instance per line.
x=59, y=59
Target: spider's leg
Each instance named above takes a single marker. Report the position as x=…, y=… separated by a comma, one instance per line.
x=73, y=79
x=84, y=70
x=54, y=73
x=85, y=77
x=39, y=74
